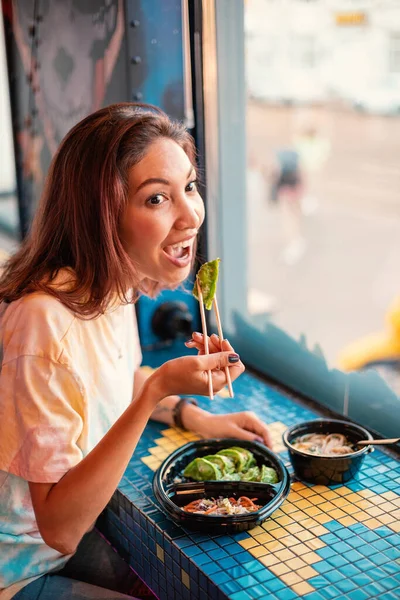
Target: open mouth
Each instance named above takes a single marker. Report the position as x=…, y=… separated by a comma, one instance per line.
x=179, y=250
x=180, y=254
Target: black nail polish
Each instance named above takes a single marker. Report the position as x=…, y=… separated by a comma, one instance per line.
x=191, y=341
x=233, y=358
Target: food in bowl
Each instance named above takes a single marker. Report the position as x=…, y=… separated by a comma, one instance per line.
x=327, y=469
x=223, y=506
x=324, y=444
x=230, y=464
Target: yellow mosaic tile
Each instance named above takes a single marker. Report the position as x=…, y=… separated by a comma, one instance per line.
x=340, y=502
x=304, y=536
x=387, y=519
x=302, y=588
x=331, y=495
x=263, y=538
x=278, y=533
x=388, y=506
x=269, y=525
x=307, y=492
x=318, y=500
x=304, y=504
x=274, y=546
x=364, y=504
x=297, y=485
x=319, y=530
x=377, y=500
x=337, y=514
x=343, y=491
x=160, y=552
x=256, y=531
x=300, y=549
x=311, y=512
x=185, y=579
x=291, y=578
x=294, y=528
x=350, y=509
x=347, y=521
x=288, y=508
x=279, y=569
x=296, y=563
x=307, y=572
x=315, y=544
x=390, y=495
x=284, y=520
x=375, y=511
x=327, y=506
x=395, y=526
x=289, y=540
x=293, y=497
x=311, y=558
x=284, y=555
x=269, y=560
x=366, y=493
x=258, y=551
x=372, y=523
x=308, y=523
x=248, y=543
x=323, y=519
x=361, y=516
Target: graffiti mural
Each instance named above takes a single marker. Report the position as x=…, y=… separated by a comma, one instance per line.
x=68, y=58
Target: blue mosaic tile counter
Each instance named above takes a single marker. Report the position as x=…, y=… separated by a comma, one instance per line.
x=323, y=543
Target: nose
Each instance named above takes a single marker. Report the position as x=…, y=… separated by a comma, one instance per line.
x=190, y=214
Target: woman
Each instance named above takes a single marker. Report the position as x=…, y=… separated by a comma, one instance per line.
x=119, y=218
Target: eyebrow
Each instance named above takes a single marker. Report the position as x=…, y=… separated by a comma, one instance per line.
x=152, y=180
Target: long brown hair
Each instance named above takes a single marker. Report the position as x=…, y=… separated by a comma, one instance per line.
x=76, y=225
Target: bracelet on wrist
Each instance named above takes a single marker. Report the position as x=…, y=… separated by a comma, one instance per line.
x=177, y=411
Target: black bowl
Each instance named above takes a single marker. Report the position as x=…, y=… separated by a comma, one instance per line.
x=327, y=470
x=172, y=495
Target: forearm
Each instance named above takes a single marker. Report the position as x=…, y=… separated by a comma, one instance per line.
x=192, y=416
x=75, y=502
x=163, y=412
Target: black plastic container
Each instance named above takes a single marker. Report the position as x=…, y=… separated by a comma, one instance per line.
x=172, y=496
x=327, y=470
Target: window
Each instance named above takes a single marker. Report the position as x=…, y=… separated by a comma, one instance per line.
x=394, y=52
x=304, y=189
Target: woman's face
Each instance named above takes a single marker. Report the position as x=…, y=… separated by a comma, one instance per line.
x=164, y=214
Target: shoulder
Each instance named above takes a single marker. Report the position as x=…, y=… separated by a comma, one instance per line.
x=35, y=324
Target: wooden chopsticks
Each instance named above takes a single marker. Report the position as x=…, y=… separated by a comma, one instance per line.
x=205, y=336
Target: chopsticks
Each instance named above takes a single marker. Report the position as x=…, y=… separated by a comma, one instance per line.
x=205, y=337
x=221, y=338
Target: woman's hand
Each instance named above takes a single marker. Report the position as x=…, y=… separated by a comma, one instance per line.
x=242, y=425
x=188, y=375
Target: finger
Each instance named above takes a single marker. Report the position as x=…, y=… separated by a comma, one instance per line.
x=219, y=360
x=227, y=346
x=214, y=344
x=244, y=434
x=200, y=347
x=256, y=426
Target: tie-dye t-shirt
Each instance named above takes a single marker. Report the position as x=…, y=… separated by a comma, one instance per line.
x=64, y=381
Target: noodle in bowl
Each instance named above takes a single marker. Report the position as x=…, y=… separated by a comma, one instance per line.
x=325, y=451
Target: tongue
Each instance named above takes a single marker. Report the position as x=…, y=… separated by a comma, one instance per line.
x=175, y=252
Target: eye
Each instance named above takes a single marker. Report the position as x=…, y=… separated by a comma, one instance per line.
x=191, y=187
x=156, y=200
